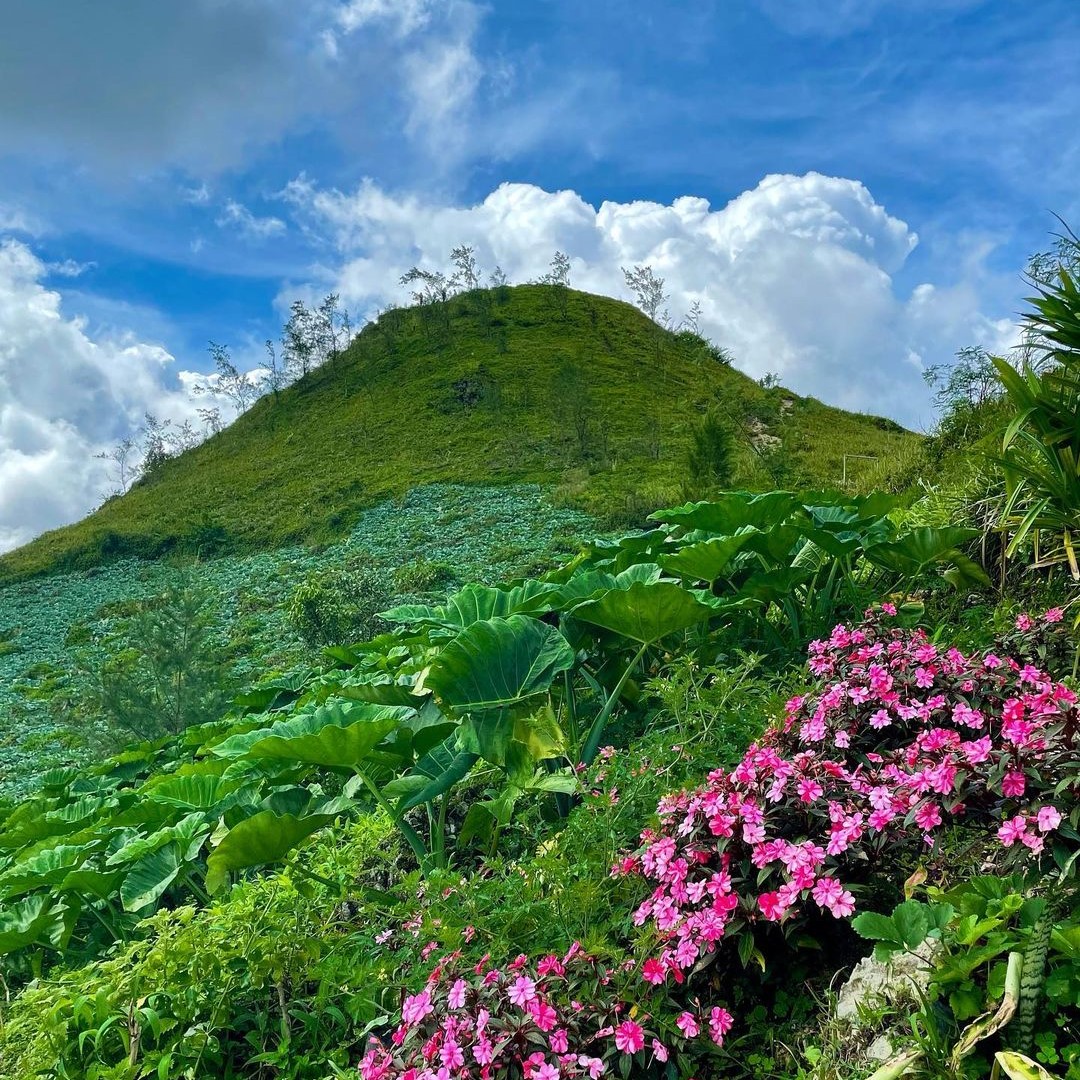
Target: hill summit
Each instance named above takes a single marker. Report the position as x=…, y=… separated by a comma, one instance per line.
x=529, y=383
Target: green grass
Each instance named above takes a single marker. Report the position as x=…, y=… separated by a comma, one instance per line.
x=464, y=393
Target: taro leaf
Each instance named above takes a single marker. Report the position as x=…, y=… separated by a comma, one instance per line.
x=382, y=689
x=315, y=736
x=343, y=738
x=264, y=838
x=150, y=877
x=190, y=832
x=275, y=692
x=583, y=586
x=290, y=799
x=191, y=792
x=498, y=663
x=731, y=511
x=478, y=603
x=48, y=867
x=707, y=560
x=435, y=773
x=772, y=586
x=645, y=613
x=919, y=549
x=541, y=734
x=778, y=543
x=99, y=883
x=26, y=922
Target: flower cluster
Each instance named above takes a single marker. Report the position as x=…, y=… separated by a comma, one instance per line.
x=901, y=739
x=555, y=1018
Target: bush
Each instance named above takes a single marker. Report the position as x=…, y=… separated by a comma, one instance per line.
x=339, y=606
x=902, y=741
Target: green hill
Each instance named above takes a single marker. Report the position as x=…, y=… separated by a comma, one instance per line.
x=537, y=384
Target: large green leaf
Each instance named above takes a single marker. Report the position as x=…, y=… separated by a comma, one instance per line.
x=477, y=603
x=191, y=792
x=493, y=670
x=150, y=877
x=915, y=551
x=44, y=868
x=330, y=744
x=645, y=612
x=264, y=838
x=708, y=559
x=313, y=736
x=731, y=511
x=498, y=663
x=27, y=922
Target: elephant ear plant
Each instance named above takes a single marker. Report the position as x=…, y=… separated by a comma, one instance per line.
x=508, y=690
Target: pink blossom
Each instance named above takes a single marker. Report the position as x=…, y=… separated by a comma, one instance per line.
x=415, y=1008
x=522, y=991
x=1048, y=819
x=688, y=1025
x=629, y=1037
x=1012, y=830
x=720, y=1022
x=1013, y=784
x=654, y=971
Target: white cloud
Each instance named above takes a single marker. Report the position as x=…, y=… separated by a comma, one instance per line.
x=237, y=216
x=406, y=16
x=794, y=276
x=65, y=396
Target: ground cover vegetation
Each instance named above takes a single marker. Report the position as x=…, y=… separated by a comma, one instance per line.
x=632, y=806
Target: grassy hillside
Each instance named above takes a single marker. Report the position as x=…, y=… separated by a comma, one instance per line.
x=525, y=384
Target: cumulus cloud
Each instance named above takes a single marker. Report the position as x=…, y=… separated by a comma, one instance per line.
x=795, y=276
x=64, y=397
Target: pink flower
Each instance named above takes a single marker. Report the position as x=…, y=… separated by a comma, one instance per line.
x=544, y=1015
x=1013, y=784
x=559, y=1041
x=547, y=1072
x=629, y=1037
x=928, y=816
x=451, y=1055
x=809, y=790
x=828, y=893
x=720, y=1022
x=654, y=971
x=660, y=1051
x=688, y=1025
x=416, y=1008
x=1012, y=830
x=594, y=1066
x=1053, y=615
x=456, y=998
x=522, y=991
x=1048, y=819
x=1023, y=622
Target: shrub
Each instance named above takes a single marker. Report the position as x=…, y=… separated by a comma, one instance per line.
x=901, y=740
x=338, y=606
x=541, y=1020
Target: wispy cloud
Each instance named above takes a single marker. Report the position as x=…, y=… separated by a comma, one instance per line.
x=235, y=215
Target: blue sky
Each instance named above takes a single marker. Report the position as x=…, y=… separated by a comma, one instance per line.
x=175, y=173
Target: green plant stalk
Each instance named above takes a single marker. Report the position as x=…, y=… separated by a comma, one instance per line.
x=410, y=834
x=596, y=731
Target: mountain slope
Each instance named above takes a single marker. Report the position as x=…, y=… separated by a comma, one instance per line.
x=530, y=383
